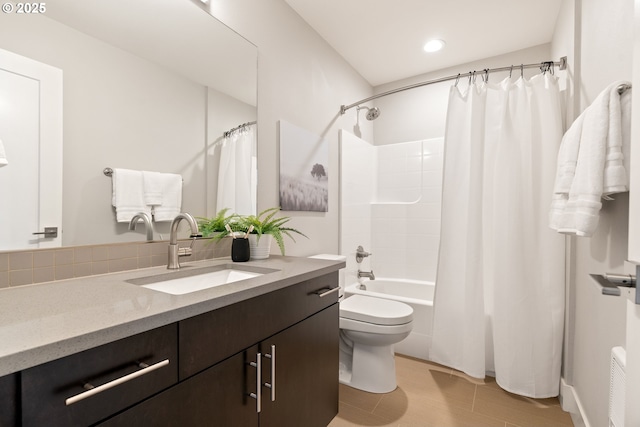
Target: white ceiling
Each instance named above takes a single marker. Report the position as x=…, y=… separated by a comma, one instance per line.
x=383, y=39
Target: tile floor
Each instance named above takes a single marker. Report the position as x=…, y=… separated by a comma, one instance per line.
x=431, y=395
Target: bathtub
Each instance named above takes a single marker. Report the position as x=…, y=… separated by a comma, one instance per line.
x=419, y=295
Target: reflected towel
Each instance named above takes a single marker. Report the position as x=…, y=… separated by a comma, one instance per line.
x=3, y=155
x=170, y=186
x=152, y=188
x=127, y=195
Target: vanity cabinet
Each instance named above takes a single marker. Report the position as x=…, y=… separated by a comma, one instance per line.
x=271, y=360
x=290, y=337
x=89, y=386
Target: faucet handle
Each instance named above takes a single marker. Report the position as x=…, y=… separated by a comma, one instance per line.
x=361, y=254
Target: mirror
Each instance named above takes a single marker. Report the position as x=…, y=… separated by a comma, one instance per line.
x=147, y=85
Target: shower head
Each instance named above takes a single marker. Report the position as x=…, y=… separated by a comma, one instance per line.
x=372, y=113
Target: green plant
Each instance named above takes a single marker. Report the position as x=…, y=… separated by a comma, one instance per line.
x=216, y=224
x=265, y=223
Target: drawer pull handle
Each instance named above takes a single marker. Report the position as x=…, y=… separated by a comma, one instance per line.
x=326, y=291
x=258, y=394
x=272, y=384
x=91, y=390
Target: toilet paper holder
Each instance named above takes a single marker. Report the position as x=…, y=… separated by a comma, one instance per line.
x=612, y=282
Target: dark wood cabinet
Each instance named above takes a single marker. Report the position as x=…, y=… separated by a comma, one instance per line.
x=9, y=398
x=215, y=369
x=306, y=385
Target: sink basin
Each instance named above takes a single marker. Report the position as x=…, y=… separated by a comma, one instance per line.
x=191, y=280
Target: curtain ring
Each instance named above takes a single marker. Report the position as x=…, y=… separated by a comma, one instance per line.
x=470, y=74
x=457, y=80
x=510, y=71
x=522, y=70
x=474, y=76
x=486, y=75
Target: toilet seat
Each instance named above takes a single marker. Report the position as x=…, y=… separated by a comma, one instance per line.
x=377, y=311
x=372, y=328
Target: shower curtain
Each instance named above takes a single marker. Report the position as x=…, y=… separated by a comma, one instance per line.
x=237, y=174
x=499, y=301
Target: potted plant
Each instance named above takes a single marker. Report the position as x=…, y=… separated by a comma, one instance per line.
x=265, y=228
x=215, y=227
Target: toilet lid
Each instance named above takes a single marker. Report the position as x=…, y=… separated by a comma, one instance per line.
x=375, y=310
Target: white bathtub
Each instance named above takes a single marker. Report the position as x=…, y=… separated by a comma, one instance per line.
x=419, y=295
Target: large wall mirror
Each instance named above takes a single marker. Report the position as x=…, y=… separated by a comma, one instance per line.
x=146, y=85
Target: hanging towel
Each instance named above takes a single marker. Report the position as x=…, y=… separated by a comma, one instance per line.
x=127, y=196
x=152, y=188
x=591, y=163
x=171, y=189
x=3, y=156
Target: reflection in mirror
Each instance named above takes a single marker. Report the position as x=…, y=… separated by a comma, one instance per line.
x=152, y=89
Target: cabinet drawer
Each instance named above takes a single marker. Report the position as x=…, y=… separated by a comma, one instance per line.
x=211, y=337
x=122, y=373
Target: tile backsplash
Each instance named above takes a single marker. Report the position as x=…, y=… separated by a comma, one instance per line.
x=27, y=267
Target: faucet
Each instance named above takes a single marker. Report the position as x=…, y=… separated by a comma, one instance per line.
x=368, y=274
x=174, y=251
x=361, y=254
x=147, y=223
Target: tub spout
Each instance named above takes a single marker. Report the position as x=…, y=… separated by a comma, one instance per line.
x=368, y=274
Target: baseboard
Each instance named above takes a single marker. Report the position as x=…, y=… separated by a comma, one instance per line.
x=570, y=402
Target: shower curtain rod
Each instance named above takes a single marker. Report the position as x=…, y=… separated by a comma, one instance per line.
x=230, y=131
x=562, y=65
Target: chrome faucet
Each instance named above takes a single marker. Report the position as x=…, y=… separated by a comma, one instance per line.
x=147, y=223
x=174, y=251
x=361, y=254
x=368, y=274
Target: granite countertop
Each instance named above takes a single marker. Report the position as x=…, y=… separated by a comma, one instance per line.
x=43, y=322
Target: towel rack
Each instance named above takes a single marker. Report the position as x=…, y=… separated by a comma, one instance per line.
x=109, y=172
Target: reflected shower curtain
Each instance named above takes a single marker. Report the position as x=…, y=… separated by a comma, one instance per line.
x=499, y=301
x=237, y=174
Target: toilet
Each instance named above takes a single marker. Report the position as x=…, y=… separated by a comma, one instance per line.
x=369, y=327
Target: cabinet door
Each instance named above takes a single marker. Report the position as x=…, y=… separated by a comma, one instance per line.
x=216, y=397
x=306, y=373
x=9, y=400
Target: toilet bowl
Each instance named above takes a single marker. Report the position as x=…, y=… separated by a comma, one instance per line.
x=369, y=327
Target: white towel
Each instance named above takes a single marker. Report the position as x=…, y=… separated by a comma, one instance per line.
x=171, y=188
x=127, y=196
x=152, y=188
x=591, y=163
x=3, y=156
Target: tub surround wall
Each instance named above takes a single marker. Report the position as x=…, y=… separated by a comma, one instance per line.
x=47, y=265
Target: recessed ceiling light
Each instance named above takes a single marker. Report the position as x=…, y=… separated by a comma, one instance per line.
x=433, y=45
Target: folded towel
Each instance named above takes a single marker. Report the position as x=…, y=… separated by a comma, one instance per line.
x=170, y=186
x=591, y=163
x=127, y=195
x=3, y=155
x=152, y=188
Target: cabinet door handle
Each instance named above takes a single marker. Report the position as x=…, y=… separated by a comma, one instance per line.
x=327, y=291
x=258, y=394
x=91, y=390
x=272, y=384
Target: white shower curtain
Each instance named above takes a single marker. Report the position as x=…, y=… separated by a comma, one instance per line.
x=237, y=174
x=499, y=301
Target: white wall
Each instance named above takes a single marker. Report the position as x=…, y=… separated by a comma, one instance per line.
x=303, y=81
x=595, y=323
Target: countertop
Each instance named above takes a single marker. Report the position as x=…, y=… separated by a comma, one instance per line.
x=43, y=322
